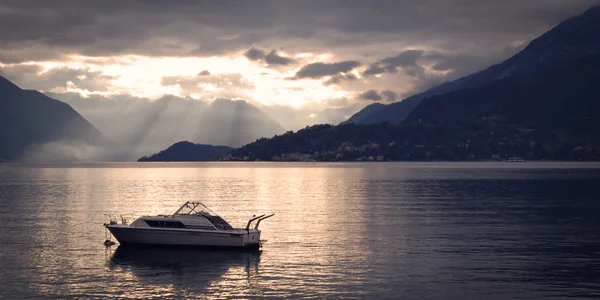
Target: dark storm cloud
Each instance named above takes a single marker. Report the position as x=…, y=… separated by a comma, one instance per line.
x=271, y=58
x=41, y=30
x=318, y=70
x=370, y=95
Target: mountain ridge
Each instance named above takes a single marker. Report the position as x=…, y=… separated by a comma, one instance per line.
x=29, y=120
x=187, y=151
x=578, y=38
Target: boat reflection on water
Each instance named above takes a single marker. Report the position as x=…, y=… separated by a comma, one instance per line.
x=181, y=271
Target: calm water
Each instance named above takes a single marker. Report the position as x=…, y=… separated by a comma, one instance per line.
x=409, y=231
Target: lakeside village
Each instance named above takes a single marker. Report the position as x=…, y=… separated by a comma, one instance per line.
x=505, y=150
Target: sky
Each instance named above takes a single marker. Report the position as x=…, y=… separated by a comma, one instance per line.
x=302, y=54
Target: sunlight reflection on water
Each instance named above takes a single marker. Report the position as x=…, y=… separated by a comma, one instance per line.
x=490, y=231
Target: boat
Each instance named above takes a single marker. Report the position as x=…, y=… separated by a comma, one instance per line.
x=192, y=225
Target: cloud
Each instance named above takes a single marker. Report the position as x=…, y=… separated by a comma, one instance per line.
x=374, y=69
x=271, y=58
x=370, y=95
x=60, y=77
x=45, y=30
x=337, y=79
x=446, y=39
x=274, y=59
x=406, y=60
x=255, y=54
x=319, y=69
x=390, y=96
x=458, y=64
x=230, y=85
x=373, y=95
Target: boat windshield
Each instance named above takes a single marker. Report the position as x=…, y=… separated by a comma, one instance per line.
x=191, y=208
x=197, y=208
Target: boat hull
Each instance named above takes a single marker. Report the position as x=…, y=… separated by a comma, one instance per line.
x=185, y=238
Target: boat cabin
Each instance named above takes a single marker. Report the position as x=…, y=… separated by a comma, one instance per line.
x=191, y=215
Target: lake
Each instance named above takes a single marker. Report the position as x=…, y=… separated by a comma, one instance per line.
x=340, y=230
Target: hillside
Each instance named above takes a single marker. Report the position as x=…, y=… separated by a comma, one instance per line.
x=466, y=141
x=565, y=99
x=29, y=121
x=550, y=115
x=186, y=151
x=571, y=40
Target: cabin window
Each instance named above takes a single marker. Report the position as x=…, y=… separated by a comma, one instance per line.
x=164, y=224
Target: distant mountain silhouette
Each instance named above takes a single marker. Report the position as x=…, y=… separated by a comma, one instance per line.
x=142, y=126
x=296, y=118
x=186, y=151
x=573, y=39
x=29, y=120
x=237, y=122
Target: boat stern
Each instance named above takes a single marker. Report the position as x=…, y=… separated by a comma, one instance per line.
x=251, y=238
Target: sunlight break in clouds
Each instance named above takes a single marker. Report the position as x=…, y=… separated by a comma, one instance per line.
x=226, y=77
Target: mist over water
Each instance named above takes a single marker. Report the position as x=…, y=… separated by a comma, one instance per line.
x=393, y=230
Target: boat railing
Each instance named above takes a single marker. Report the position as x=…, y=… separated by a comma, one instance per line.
x=117, y=219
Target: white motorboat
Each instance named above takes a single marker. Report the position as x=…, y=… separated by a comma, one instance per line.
x=192, y=225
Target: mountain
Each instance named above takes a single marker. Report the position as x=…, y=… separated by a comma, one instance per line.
x=32, y=126
x=563, y=99
x=186, y=151
x=571, y=40
x=141, y=126
x=372, y=110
